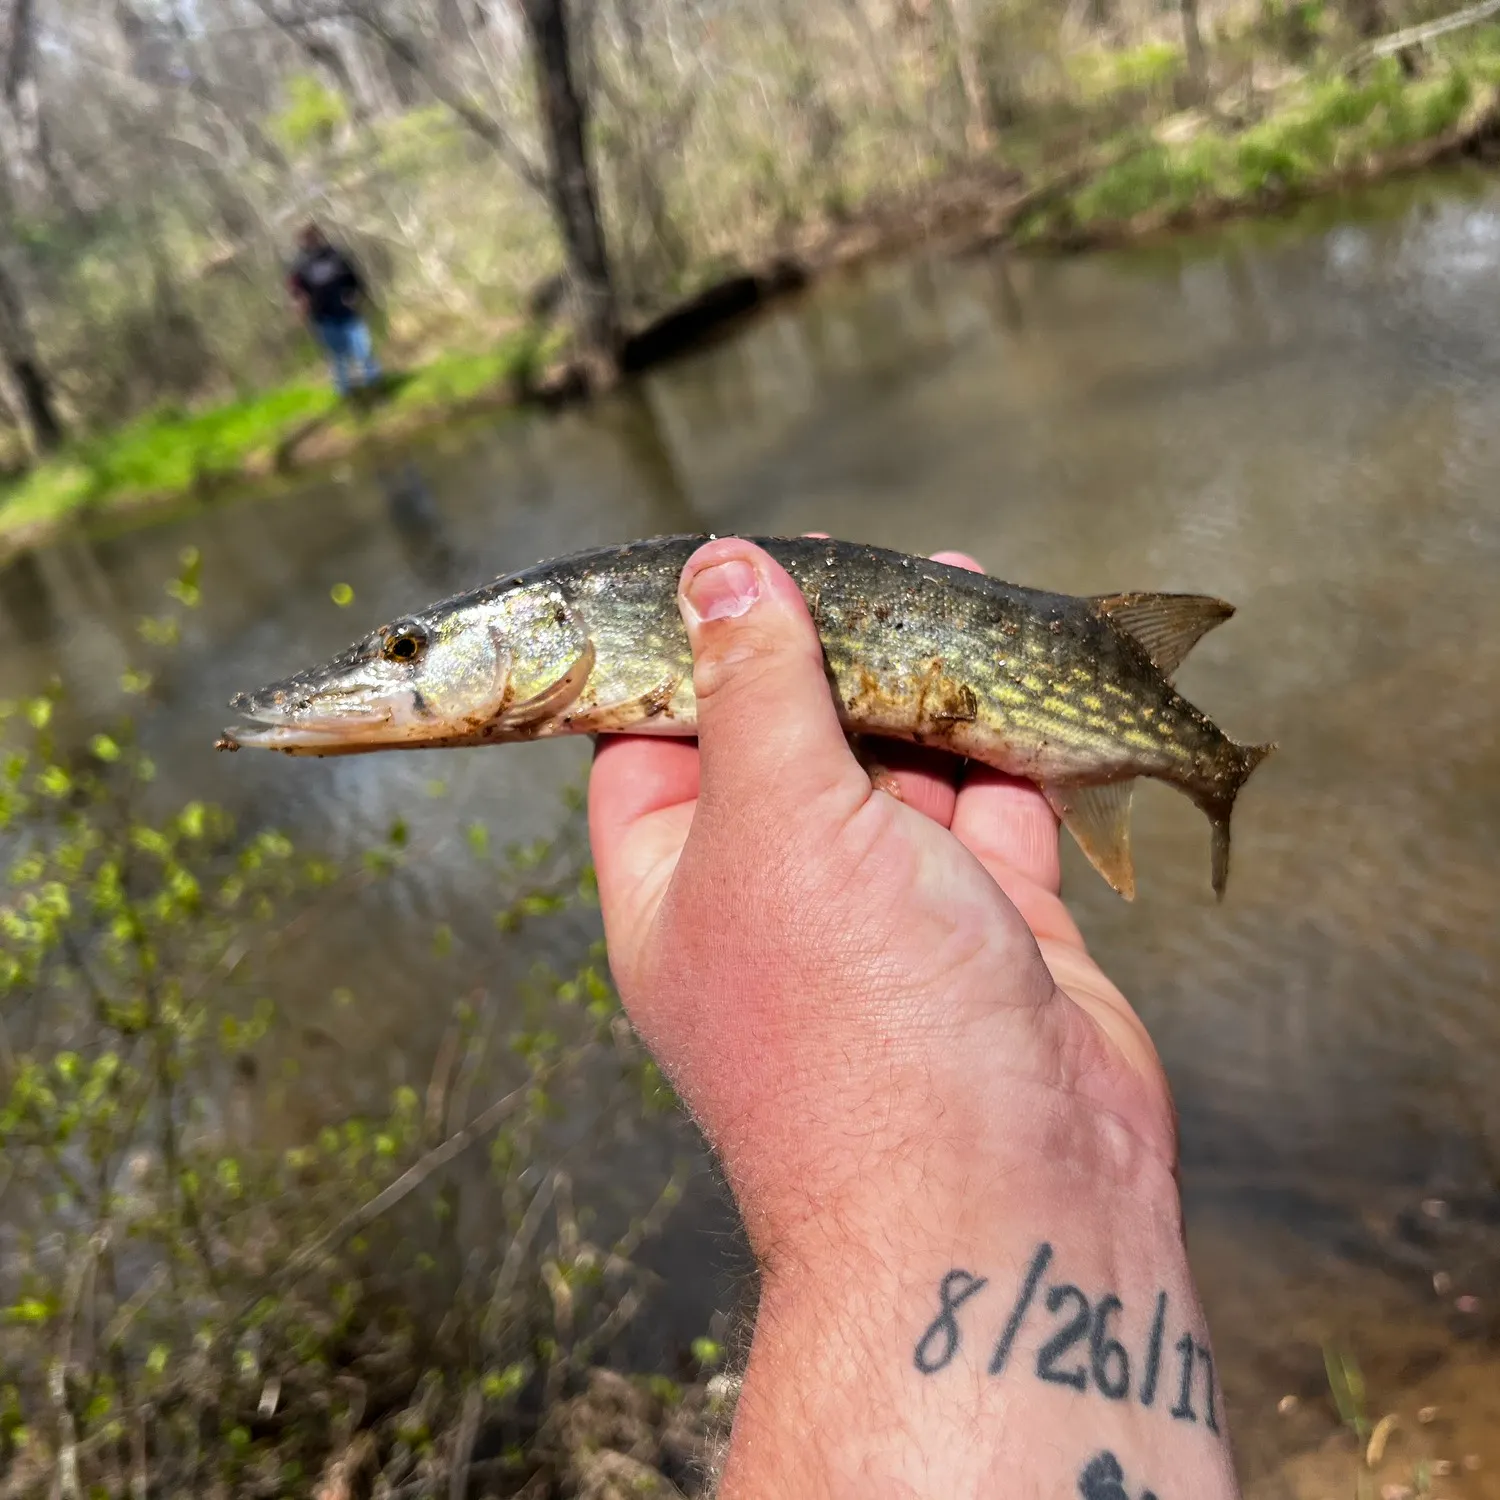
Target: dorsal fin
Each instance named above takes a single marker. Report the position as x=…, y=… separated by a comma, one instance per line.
x=1167, y=625
x=1098, y=817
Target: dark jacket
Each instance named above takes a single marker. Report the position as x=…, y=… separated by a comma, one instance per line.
x=328, y=284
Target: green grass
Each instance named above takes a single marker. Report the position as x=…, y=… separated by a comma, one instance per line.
x=174, y=452
x=1100, y=73
x=1327, y=127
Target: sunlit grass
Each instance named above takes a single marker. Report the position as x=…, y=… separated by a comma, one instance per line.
x=1326, y=128
x=456, y=378
x=172, y=452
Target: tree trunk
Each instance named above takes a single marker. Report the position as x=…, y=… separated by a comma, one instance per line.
x=23, y=134
x=23, y=382
x=1192, y=42
x=1368, y=17
x=570, y=185
x=977, y=130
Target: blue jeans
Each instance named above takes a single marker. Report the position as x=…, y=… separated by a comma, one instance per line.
x=347, y=343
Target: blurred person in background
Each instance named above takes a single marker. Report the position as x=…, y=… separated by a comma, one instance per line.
x=329, y=293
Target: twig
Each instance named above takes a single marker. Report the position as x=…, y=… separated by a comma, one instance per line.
x=463, y=1443
x=408, y=1182
x=620, y=1315
x=140, y=1484
x=562, y=1325
x=439, y=1084
x=66, y=1481
x=515, y=1253
x=649, y=1225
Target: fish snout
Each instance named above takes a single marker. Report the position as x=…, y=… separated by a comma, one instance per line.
x=273, y=702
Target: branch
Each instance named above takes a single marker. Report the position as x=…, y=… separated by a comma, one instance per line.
x=484, y=125
x=406, y=49
x=18, y=48
x=1415, y=36
x=408, y=1182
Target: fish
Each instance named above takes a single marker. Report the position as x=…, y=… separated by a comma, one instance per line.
x=1073, y=693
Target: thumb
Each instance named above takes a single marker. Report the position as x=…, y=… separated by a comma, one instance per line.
x=768, y=732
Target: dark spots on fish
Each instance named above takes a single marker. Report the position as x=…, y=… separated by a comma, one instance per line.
x=943, y=701
x=883, y=612
x=658, y=701
x=560, y=614
x=964, y=708
x=419, y=703
x=867, y=696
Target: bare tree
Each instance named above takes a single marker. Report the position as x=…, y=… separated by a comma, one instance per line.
x=1192, y=42
x=24, y=385
x=978, y=129
x=23, y=135
x=409, y=53
x=571, y=185
x=1367, y=17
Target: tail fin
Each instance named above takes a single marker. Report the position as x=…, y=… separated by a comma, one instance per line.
x=1217, y=801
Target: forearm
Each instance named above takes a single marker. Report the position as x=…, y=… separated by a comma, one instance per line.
x=1056, y=1349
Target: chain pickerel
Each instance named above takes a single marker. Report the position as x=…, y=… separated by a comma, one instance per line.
x=1074, y=694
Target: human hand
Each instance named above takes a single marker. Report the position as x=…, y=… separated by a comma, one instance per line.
x=876, y=1006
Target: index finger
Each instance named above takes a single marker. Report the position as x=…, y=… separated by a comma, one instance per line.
x=642, y=791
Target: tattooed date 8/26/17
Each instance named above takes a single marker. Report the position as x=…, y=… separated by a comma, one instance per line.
x=1094, y=1343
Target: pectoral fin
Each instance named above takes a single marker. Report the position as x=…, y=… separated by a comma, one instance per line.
x=1098, y=817
x=1167, y=625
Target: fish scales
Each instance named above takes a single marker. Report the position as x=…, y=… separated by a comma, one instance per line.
x=1072, y=693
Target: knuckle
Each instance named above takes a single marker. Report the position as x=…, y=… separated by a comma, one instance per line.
x=748, y=662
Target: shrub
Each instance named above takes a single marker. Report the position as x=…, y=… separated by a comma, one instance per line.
x=179, y=1299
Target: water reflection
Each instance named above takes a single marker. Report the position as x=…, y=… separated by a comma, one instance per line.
x=418, y=520
x=1303, y=418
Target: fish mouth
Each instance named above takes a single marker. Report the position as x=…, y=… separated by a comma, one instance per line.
x=327, y=722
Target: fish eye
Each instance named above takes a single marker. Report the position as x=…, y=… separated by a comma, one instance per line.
x=404, y=643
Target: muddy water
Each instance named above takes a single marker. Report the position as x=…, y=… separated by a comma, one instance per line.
x=1303, y=418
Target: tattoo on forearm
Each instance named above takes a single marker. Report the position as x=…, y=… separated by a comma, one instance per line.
x=940, y=1343
x=1039, y=1263
x=1090, y=1346
x=1104, y=1479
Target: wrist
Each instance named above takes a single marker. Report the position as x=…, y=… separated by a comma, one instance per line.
x=945, y=1163
x=1055, y=1328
